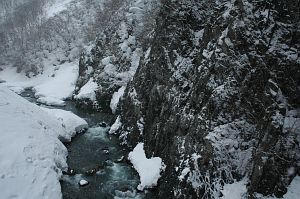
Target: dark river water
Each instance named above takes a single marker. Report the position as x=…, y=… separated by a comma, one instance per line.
x=96, y=157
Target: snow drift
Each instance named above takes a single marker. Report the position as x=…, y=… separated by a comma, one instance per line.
x=32, y=156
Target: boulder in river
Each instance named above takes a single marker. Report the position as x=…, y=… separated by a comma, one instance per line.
x=93, y=171
x=103, y=124
x=69, y=172
x=121, y=159
x=83, y=183
x=106, y=151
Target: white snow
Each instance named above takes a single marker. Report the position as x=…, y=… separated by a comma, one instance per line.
x=31, y=154
x=184, y=172
x=69, y=121
x=116, y=98
x=117, y=124
x=140, y=123
x=56, y=84
x=88, y=91
x=62, y=84
x=57, y=7
x=149, y=169
x=294, y=189
x=235, y=190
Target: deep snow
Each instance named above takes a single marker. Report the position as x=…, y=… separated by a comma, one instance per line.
x=32, y=156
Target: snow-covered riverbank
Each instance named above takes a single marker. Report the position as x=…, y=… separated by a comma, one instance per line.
x=52, y=87
x=32, y=156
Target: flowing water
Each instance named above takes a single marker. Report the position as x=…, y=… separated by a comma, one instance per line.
x=97, y=157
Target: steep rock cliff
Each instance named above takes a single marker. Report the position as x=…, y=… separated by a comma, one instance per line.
x=215, y=95
x=113, y=60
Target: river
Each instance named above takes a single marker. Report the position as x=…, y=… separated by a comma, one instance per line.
x=98, y=158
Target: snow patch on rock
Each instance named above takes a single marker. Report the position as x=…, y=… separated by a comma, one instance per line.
x=88, y=91
x=113, y=129
x=116, y=98
x=149, y=169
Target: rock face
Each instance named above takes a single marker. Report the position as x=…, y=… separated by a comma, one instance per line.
x=115, y=57
x=216, y=95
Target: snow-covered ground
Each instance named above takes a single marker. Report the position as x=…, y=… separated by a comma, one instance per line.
x=235, y=190
x=32, y=157
x=54, y=85
x=149, y=169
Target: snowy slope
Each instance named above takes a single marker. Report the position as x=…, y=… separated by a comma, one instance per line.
x=52, y=87
x=31, y=154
